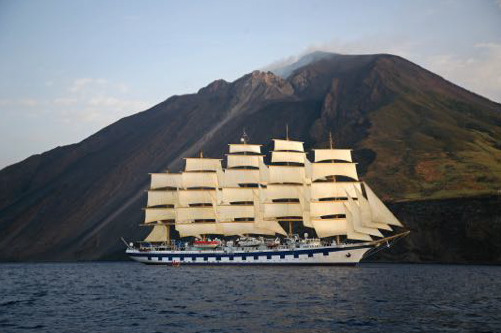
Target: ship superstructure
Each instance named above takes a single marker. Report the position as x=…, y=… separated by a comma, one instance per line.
x=248, y=212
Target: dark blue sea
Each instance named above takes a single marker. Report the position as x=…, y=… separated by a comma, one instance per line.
x=132, y=297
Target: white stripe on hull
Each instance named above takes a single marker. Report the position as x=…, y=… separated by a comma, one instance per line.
x=340, y=257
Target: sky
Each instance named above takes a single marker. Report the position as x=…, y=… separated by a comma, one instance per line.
x=70, y=68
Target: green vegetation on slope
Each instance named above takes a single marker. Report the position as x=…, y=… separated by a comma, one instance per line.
x=425, y=152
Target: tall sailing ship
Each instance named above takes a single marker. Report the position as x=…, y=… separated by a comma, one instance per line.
x=251, y=213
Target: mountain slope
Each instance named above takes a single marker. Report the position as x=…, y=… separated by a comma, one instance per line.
x=427, y=137
x=415, y=135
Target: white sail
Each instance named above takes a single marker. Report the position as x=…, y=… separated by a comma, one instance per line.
x=260, y=221
x=288, y=145
x=202, y=164
x=243, y=228
x=160, y=198
x=244, y=161
x=200, y=179
x=282, y=209
x=205, y=196
x=286, y=174
x=288, y=156
x=307, y=220
x=284, y=191
x=322, y=170
x=244, y=148
x=236, y=177
x=323, y=190
x=162, y=180
x=380, y=213
x=158, y=214
x=197, y=229
x=159, y=233
x=288, y=191
x=264, y=172
x=324, y=208
x=188, y=214
x=308, y=170
x=366, y=214
x=330, y=227
x=357, y=220
x=332, y=154
x=351, y=233
x=231, y=212
x=237, y=194
x=270, y=225
x=305, y=200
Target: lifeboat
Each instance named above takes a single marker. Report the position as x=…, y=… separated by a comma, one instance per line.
x=206, y=244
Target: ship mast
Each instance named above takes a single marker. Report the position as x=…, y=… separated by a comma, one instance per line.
x=337, y=207
x=241, y=207
x=331, y=146
x=159, y=211
x=287, y=181
x=244, y=139
x=288, y=163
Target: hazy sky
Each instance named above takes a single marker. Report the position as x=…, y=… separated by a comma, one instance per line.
x=69, y=68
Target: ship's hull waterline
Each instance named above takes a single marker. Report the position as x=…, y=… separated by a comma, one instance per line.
x=327, y=255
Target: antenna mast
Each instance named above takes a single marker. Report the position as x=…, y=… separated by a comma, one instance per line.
x=245, y=138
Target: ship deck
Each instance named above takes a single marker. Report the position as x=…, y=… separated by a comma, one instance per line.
x=341, y=254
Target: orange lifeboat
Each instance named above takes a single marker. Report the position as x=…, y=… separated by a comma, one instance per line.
x=206, y=244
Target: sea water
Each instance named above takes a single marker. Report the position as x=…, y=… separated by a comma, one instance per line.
x=132, y=297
